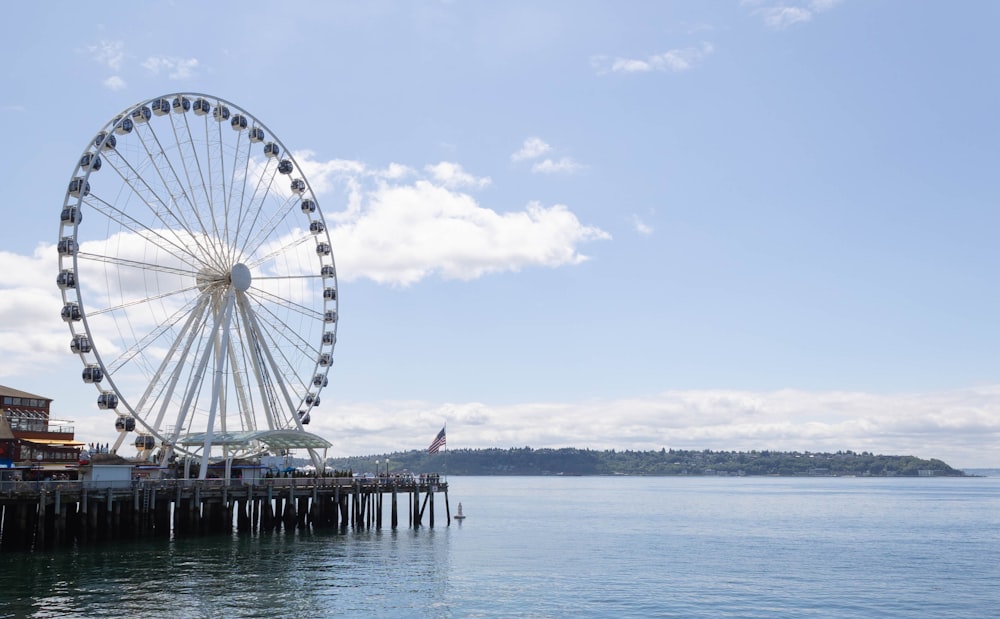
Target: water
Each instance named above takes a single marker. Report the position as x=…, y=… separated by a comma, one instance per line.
x=571, y=547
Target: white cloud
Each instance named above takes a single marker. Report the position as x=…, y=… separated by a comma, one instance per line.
x=787, y=13
x=671, y=61
x=551, y=166
x=114, y=82
x=960, y=427
x=399, y=227
x=28, y=295
x=780, y=17
x=406, y=233
x=452, y=175
x=531, y=149
x=110, y=53
x=641, y=227
x=175, y=68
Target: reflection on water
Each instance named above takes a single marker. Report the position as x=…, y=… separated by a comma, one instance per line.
x=281, y=575
x=571, y=547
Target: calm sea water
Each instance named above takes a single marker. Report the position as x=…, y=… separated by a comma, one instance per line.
x=571, y=547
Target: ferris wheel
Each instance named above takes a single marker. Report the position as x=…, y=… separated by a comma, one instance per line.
x=198, y=281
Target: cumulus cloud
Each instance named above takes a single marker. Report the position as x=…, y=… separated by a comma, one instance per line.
x=400, y=226
x=787, y=13
x=960, y=427
x=452, y=175
x=30, y=332
x=110, y=53
x=641, y=227
x=564, y=165
x=671, y=61
x=531, y=149
x=175, y=68
x=114, y=82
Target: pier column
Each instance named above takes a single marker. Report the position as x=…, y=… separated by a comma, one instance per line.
x=394, y=516
x=268, y=516
x=40, y=519
x=60, y=519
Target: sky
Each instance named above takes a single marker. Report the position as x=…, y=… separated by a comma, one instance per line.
x=730, y=225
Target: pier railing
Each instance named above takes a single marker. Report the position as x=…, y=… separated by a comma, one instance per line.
x=402, y=483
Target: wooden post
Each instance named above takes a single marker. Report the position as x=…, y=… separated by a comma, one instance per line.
x=40, y=519
x=395, y=518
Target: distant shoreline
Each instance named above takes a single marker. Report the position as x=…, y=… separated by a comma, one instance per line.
x=657, y=463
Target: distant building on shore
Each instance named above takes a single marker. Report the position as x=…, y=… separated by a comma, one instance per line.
x=32, y=444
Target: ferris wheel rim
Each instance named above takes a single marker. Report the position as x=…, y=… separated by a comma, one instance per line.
x=239, y=274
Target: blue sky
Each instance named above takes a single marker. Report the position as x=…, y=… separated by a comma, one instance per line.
x=721, y=225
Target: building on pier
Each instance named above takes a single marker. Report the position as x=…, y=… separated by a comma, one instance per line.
x=32, y=444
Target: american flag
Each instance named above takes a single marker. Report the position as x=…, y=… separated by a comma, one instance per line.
x=437, y=443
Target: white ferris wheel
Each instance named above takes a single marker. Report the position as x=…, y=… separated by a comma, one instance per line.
x=198, y=282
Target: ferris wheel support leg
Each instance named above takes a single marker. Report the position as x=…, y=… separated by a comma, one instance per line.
x=165, y=454
x=220, y=366
x=118, y=443
x=317, y=463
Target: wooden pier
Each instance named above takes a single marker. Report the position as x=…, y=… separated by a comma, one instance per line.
x=63, y=513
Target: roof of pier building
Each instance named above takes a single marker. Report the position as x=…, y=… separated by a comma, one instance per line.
x=9, y=392
x=274, y=439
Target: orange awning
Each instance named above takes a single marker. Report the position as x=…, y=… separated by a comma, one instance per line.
x=52, y=441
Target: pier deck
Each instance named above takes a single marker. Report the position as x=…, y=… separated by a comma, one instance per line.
x=54, y=513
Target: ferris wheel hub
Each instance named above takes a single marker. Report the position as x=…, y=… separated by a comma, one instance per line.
x=239, y=277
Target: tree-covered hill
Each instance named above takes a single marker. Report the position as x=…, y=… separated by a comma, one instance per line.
x=570, y=461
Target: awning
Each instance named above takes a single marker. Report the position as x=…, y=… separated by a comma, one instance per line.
x=52, y=441
x=275, y=439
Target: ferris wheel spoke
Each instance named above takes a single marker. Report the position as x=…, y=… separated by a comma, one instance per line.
x=251, y=247
x=149, y=195
x=164, y=295
x=295, y=242
x=238, y=363
x=196, y=377
x=150, y=235
x=257, y=210
x=243, y=185
x=275, y=339
x=194, y=317
x=136, y=264
x=197, y=326
x=260, y=277
x=280, y=378
x=186, y=140
x=213, y=200
x=218, y=380
x=290, y=334
x=151, y=337
x=273, y=298
x=177, y=190
x=253, y=349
